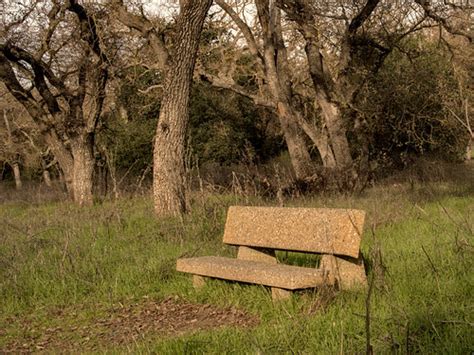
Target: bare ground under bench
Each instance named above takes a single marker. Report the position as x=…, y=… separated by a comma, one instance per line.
x=123, y=326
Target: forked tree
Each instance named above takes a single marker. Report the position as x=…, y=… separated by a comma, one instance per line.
x=364, y=36
x=52, y=60
x=264, y=42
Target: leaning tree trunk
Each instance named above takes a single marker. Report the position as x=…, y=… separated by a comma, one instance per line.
x=320, y=139
x=82, y=172
x=277, y=77
x=64, y=158
x=299, y=155
x=169, y=190
x=325, y=93
x=279, y=74
x=47, y=177
x=337, y=132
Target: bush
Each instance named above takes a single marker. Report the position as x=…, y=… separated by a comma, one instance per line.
x=405, y=109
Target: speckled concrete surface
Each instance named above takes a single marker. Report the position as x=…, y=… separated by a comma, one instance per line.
x=350, y=273
x=259, y=230
x=262, y=255
x=321, y=230
x=276, y=275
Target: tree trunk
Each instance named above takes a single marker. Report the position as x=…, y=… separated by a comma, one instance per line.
x=169, y=190
x=337, y=132
x=16, y=174
x=83, y=169
x=299, y=155
x=9, y=142
x=320, y=139
x=47, y=178
x=274, y=58
x=326, y=93
x=469, y=149
x=46, y=174
x=64, y=158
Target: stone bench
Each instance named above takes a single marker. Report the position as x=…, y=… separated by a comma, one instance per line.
x=260, y=231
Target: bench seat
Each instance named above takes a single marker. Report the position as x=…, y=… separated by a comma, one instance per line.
x=274, y=275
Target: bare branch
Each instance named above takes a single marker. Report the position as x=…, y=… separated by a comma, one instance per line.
x=146, y=28
x=431, y=13
x=17, y=54
x=243, y=27
x=88, y=29
x=53, y=23
x=90, y=35
x=229, y=84
x=362, y=16
x=7, y=75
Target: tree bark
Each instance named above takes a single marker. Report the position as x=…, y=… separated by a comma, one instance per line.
x=330, y=109
x=47, y=178
x=299, y=155
x=169, y=180
x=337, y=132
x=64, y=158
x=82, y=172
x=275, y=61
x=321, y=140
x=17, y=175
x=469, y=149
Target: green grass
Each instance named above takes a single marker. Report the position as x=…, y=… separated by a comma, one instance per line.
x=60, y=259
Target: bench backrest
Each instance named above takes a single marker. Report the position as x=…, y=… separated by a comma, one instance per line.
x=316, y=230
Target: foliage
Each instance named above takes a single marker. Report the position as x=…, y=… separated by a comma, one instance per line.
x=138, y=93
x=406, y=111
x=226, y=128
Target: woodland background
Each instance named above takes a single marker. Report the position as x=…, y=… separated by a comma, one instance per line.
x=286, y=95
x=129, y=127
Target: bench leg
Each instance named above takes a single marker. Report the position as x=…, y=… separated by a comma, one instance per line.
x=349, y=272
x=257, y=254
x=279, y=294
x=198, y=281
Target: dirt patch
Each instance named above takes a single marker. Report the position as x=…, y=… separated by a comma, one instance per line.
x=129, y=324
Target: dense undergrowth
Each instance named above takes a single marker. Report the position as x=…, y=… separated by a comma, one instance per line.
x=60, y=264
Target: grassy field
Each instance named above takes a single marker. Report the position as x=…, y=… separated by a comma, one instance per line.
x=63, y=270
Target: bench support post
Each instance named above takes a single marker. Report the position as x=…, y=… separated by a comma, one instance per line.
x=198, y=281
x=257, y=254
x=348, y=272
x=280, y=294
